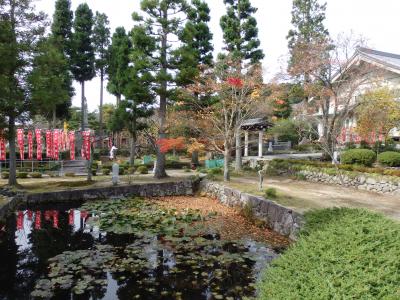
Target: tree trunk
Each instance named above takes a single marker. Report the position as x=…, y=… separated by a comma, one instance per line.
x=118, y=99
x=83, y=105
x=159, y=171
x=133, y=149
x=195, y=158
x=54, y=117
x=12, y=179
x=89, y=164
x=101, y=105
x=227, y=156
x=238, y=154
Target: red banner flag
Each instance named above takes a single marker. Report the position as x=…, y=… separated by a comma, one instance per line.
x=86, y=145
x=56, y=144
x=38, y=134
x=2, y=147
x=30, y=145
x=72, y=145
x=20, y=139
x=49, y=144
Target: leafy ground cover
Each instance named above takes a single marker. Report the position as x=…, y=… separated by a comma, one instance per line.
x=341, y=254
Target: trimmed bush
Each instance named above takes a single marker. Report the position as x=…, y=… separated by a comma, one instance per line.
x=142, y=170
x=342, y=253
x=270, y=193
x=5, y=175
x=215, y=171
x=389, y=159
x=363, y=157
x=71, y=174
x=22, y=175
x=131, y=170
x=121, y=171
x=106, y=171
x=35, y=175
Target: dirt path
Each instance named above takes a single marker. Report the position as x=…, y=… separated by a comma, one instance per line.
x=302, y=195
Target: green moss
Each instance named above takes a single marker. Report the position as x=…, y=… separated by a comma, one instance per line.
x=341, y=254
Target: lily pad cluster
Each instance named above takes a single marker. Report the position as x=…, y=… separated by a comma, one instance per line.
x=171, y=255
x=135, y=216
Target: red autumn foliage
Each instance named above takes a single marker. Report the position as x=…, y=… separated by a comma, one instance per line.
x=280, y=102
x=236, y=82
x=166, y=145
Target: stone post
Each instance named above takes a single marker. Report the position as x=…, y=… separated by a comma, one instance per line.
x=260, y=143
x=246, y=143
x=115, y=174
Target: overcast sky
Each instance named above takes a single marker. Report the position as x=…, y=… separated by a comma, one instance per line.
x=376, y=20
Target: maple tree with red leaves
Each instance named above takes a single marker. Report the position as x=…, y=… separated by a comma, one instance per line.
x=235, y=82
x=166, y=145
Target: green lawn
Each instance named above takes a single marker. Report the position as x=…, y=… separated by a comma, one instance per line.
x=341, y=254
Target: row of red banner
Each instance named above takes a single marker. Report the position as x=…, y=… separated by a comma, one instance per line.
x=349, y=135
x=56, y=141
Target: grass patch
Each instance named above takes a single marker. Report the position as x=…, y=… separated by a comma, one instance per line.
x=342, y=253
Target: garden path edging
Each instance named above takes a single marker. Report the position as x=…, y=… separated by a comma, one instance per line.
x=279, y=218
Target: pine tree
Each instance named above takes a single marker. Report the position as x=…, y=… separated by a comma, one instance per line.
x=61, y=28
x=48, y=81
x=61, y=39
x=163, y=20
x=118, y=62
x=197, y=45
x=83, y=58
x=21, y=27
x=240, y=31
x=241, y=41
x=101, y=40
x=308, y=24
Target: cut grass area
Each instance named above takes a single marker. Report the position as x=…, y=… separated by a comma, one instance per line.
x=342, y=253
x=281, y=198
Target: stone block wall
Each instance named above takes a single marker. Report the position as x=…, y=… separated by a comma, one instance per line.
x=279, y=218
x=378, y=184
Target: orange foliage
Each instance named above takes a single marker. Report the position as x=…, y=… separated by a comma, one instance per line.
x=166, y=145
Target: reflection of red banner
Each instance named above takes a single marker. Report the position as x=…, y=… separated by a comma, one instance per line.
x=55, y=218
x=20, y=140
x=38, y=221
x=38, y=134
x=72, y=145
x=2, y=147
x=56, y=144
x=48, y=144
x=20, y=220
x=71, y=217
x=30, y=145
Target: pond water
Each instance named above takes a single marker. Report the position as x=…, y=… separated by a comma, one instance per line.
x=123, y=249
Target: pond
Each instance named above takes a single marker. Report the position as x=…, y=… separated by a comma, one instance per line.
x=124, y=249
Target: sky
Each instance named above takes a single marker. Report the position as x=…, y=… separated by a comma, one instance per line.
x=376, y=21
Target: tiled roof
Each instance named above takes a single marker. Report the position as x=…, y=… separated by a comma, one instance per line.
x=385, y=58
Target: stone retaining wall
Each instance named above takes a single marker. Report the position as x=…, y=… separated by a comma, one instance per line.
x=379, y=184
x=177, y=188
x=279, y=218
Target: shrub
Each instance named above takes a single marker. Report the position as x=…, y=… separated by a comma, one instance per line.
x=270, y=193
x=22, y=175
x=342, y=253
x=363, y=157
x=5, y=175
x=106, y=171
x=392, y=172
x=121, y=170
x=389, y=158
x=35, y=175
x=69, y=174
x=94, y=172
x=143, y=170
x=215, y=171
x=186, y=170
x=175, y=164
x=201, y=170
x=131, y=170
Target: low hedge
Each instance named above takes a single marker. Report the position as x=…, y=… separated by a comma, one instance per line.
x=364, y=157
x=142, y=170
x=22, y=175
x=35, y=175
x=389, y=159
x=5, y=175
x=106, y=171
x=342, y=253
